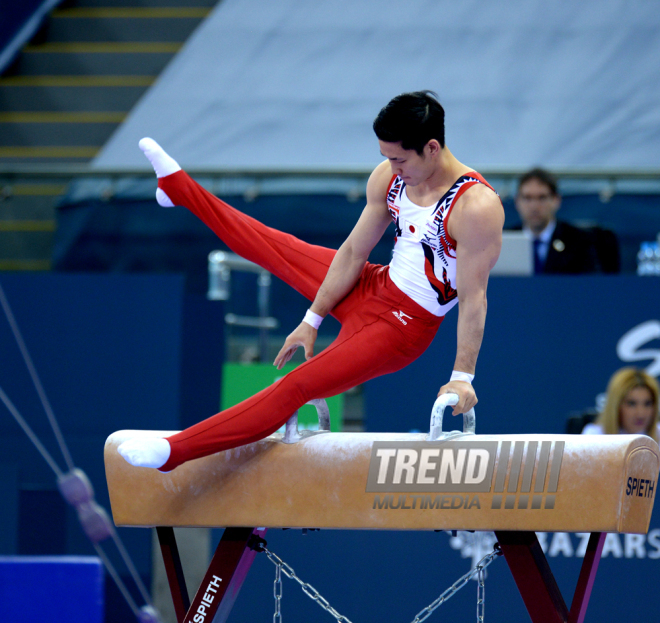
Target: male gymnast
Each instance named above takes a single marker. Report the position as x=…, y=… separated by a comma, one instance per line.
x=448, y=223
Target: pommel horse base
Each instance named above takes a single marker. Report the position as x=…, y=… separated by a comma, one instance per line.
x=514, y=485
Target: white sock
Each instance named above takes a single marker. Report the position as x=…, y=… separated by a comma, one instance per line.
x=146, y=451
x=162, y=199
x=163, y=165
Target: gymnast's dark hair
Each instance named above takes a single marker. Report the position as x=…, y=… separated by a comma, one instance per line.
x=540, y=175
x=412, y=119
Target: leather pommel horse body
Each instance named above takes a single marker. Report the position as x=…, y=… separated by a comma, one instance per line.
x=514, y=485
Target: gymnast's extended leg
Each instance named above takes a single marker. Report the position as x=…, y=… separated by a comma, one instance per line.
x=303, y=266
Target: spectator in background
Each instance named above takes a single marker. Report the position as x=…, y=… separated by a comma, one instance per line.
x=631, y=406
x=560, y=248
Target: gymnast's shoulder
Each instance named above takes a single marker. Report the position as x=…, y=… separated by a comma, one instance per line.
x=379, y=183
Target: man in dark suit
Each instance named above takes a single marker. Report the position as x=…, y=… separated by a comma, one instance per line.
x=559, y=248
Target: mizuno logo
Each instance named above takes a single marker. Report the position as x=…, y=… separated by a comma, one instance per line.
x=401, y=316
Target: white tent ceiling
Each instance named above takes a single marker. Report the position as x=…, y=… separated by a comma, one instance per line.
x=296, y=84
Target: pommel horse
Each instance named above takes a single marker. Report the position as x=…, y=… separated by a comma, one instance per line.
x=514, y=485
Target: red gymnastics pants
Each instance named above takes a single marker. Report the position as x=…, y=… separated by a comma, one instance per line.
x=382, y=331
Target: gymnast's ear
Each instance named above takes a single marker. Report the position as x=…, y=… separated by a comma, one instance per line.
x=432, y=148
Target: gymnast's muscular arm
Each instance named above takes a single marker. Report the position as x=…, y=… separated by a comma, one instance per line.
x=347, y=264
x=476, y=224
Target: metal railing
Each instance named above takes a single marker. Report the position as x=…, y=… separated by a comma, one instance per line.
x=83, y=183
x=347, y=180
x=85, y=170
x=220, y=266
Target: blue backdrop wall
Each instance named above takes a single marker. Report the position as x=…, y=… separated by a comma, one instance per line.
x=112, y=352
x=135, y=351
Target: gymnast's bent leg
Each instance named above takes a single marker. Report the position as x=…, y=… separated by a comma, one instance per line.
x=363, y=350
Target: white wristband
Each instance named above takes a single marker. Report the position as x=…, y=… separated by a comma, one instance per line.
x=313, y=319
x=461, y=376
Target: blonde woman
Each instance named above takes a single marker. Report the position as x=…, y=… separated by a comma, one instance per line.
x=631, y=406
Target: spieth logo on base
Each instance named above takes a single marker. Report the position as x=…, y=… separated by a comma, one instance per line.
x=450, y=475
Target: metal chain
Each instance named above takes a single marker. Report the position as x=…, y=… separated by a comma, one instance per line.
x=481, y=594
x=277, y=593
x=425, y=613
x=308, y=589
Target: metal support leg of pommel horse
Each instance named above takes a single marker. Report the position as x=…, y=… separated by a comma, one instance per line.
x=536, y=583
x=223, y=580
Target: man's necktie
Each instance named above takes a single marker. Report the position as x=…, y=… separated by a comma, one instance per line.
x=538, y=262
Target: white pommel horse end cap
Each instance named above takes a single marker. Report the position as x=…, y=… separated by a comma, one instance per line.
x=568, y=483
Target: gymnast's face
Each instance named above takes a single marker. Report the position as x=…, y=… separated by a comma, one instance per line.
x=412, y=167
x=636, y=410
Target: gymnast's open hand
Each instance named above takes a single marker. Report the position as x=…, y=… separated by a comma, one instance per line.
x=467, y=397
x=303, y=335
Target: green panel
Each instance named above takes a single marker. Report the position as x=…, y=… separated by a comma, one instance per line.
x=240, y=381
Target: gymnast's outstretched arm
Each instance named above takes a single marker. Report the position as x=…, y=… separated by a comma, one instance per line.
x=476, y=225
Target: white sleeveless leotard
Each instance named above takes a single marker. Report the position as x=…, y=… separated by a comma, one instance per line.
x=424, y=258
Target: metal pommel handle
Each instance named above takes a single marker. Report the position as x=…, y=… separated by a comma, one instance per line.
x=443, y=401
x=291, y=432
